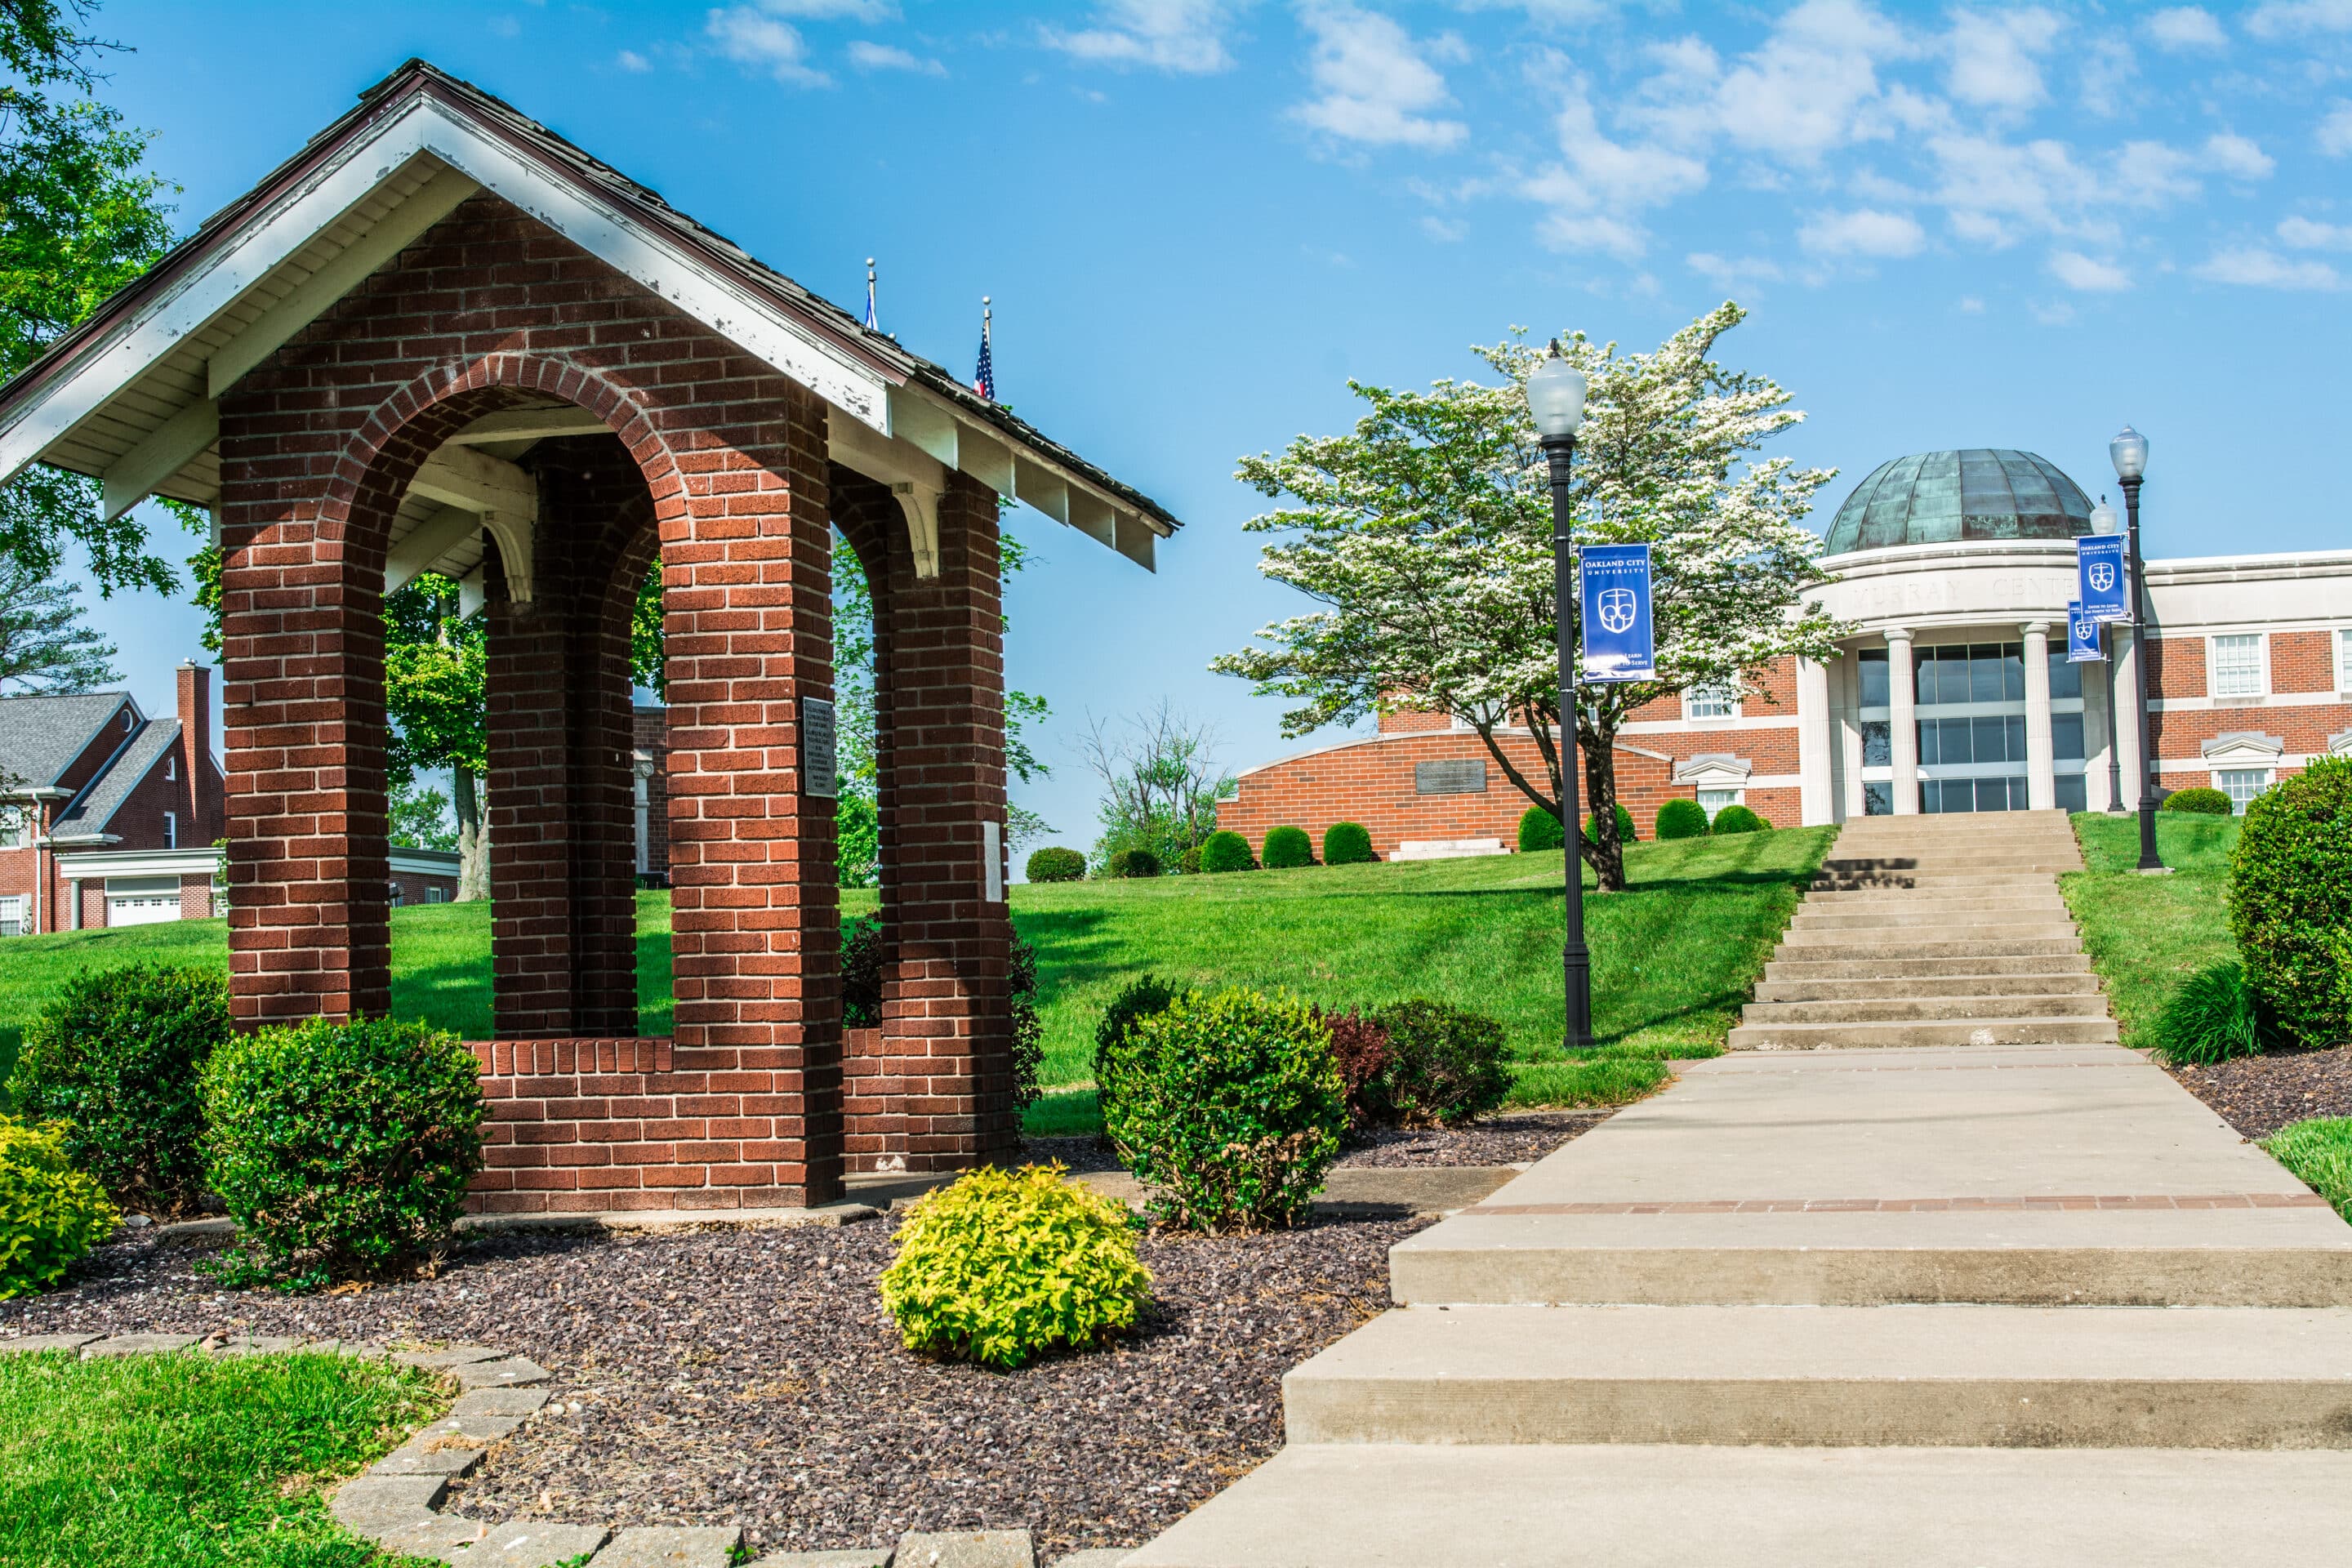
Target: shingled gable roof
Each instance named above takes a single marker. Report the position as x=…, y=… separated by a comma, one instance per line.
x=88, y=816
x=127, y=397
x=40, y=737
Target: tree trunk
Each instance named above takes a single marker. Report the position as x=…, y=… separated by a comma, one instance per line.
x=1604, y=852
x=473, y=839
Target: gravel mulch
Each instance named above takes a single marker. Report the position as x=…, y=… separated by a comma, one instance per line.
x=2259, y=1095
x=1514, y=1140
x=751, y=1376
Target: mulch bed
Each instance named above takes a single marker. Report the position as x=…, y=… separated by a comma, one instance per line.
x=1519, y=1138
x=751, y=1376
x=2259, y=1095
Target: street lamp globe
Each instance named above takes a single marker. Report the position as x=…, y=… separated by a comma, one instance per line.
x=1556, y=391
x=2130, y=451
x=2104, y=519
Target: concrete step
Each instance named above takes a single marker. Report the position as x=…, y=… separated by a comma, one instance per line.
x=1924, y=881
x=1925, y=1009
x=2017, y=940
x=1860, y=900
x=1950, y=865
x=2049, y=912
x=2057, y=1031
x=1881, y=986
x=1827, y=968
x=2109, y=1377
x=1642, y=1506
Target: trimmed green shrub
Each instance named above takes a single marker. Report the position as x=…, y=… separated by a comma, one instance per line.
x=50, y=1214
x=1539, y=830
x=999, y=1267
x=341, y=1147
x=1028, y=1023
x=1447, y=1065
x=113, y=1060
x=2291, y=901
x=2211, y=1016
x=1141, y=997
x=1055, y=864
x=1231, y=1106
x=1737, y=818
x=1189, y=863
x=1131, y=863
x=1347, y=844
x=1287, y=849
x=2201, y=800
x=861, y=953
x=1625, y=834
x=1361, y=1049
x=2318, y=1154
x=1224, y=850
x=1682, y=820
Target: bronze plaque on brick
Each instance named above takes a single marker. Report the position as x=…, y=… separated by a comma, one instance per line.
x=1450, y=777
x=817, y=762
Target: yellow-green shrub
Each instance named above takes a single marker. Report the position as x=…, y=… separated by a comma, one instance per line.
x=50, y=1214
x=999, y=1267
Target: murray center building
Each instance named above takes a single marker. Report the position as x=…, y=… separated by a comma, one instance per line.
x=1953, y=693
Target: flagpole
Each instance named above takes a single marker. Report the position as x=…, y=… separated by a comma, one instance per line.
x=873, y=317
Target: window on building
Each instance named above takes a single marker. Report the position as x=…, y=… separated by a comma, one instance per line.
x=436, y=895
x=1970, y=672
x=170, y=765
x=2237, y=666
x=2066, y=675
x=396, y=893
x=1711, y=702
x=171, y=830
x=1872, y=669
x=2242, y=785
x=1715, y=800
x=1878, y=798
x=2067, y=737
x=12, y=917
x=2344, y=661
x=12, y=828
x=1877, y=743
x=2074, y=793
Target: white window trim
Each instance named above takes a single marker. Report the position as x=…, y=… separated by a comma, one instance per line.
x=2213, y=666
x=171, y=830
x=1734, y=714
x=2238, y=807
x=1735, y=797
x=2344, y=661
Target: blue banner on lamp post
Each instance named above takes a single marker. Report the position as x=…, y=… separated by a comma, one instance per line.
x=2083, y=646
x=1617, y=643
x=2104, y=585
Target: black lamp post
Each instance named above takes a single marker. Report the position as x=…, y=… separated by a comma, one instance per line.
x=1556, y=391
x=2130, y=451
x=2105, y=521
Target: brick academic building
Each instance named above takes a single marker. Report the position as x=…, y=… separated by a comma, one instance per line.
x=1953, y=693
x=442, y=338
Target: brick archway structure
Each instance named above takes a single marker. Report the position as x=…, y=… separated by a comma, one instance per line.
x=442, y=338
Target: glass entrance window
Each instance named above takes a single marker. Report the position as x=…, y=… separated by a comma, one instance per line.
x=1971, y=672
x=1972, y=727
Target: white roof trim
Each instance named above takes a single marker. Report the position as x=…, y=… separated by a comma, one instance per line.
x=1714, y=770
x=2244, y=748
x=91, y=865
x=424, y=862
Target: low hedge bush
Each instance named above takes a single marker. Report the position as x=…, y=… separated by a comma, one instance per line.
x=1231, y=1106
x=1000, y=1267
x=1737, y=818
x=1682, y=820
x=863, y=951
x=114, y=1061
x=2211, y=1016
x=50, y=1214
x=1447, y=1065
x=341, y=1147
x=1189, y=863
x=1625, y=834
x=1539, y=830
x=1226, y=850
x=1361, y=1049
x=1125, y=863
x=2202, y=800
x=1055, y=864
x=1141, y=997
x=2291, y=901
x=1028, y=1023
x=1347, y=844
x=1287, y=849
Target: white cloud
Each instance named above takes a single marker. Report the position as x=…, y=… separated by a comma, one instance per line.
x=1993, y=57
x=1733, y=274
x=2106, y=69
x=1863, y=232
x=750, y=35
x=1376, y=86
x=1445, y=230
x=872, y=57
x=2057, y=313
x=2077, y=270
x=2335, y=130
x=1594, y=231
x=2258, y=267
x=630, y=60
x=1186, y=37
x=1811, y=86
x=1969, y=305
x=2304, y=234
x=2280, y=19
x=2228, y=154
x=2182, y=27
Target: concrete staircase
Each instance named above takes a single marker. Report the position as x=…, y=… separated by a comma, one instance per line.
x=1933, y=931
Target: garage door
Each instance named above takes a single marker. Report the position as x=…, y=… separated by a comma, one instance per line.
x=141, y=900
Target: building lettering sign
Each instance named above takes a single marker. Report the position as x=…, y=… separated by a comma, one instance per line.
x=819, y=773
x=1617, y=645
x=2083, y=646
x=2099, y=564
x=1465, y=776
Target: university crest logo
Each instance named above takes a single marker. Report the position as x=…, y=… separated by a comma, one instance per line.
x=1618, y=607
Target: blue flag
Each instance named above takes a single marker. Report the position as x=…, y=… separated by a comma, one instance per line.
x=2082, y=645
x=1617, y=643
x=2106, y=584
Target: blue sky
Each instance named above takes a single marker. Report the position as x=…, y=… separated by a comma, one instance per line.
x=1977, y=225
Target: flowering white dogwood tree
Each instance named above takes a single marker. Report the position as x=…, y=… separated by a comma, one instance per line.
x=1426, y=535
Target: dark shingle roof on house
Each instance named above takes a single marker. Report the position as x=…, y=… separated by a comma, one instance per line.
x=90, y=813
x=41, y=736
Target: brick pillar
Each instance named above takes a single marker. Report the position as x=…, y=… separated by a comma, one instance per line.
x=946, y=1013
x=755, y=923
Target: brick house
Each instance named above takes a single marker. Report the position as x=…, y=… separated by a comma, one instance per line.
x=110, y=816
x=1954, y=692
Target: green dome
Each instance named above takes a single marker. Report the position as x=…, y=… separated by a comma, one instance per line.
x=1944, y=498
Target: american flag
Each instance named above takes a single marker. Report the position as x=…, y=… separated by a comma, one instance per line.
x=984, y=379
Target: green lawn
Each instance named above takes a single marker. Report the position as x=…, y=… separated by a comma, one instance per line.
x=1675, y=955
x=2146, y=935
x=192, y=1461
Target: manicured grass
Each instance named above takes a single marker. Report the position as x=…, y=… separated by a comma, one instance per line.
x=1674, y=956
x=2319, y=1154
x=191, y=1461
x=2146, y=935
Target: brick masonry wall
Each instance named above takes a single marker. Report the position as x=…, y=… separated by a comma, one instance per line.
x=2301, y=664
x=650, y=729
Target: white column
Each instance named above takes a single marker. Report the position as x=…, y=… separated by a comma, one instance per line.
x=2126, y=646
x=2094, y=737
x=1850, y=735
x=2040, y=766
x=1813, y=797
x=1901, y=696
